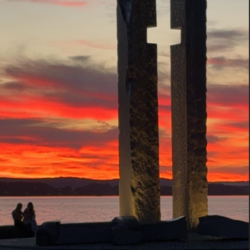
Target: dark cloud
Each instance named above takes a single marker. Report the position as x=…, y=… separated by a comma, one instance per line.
x=228, y=95
x=33, y=132
x=65, y=82
x=222, y=62
x=213, y=139
x=228, y=127
x=87, y=85
x=239, y=125
x=164, y=168
x=238, y=35
x=81, y=59
x=13, y=86
x=221, y=40
x=13, y=140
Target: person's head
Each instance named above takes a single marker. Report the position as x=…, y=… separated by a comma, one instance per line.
x=19, y=206
x=30, y=207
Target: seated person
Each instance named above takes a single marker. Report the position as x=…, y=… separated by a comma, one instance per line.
x=17, y=216
x=29, y=217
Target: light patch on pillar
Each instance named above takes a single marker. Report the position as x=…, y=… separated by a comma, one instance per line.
x=125, y=168
x=139, y=118
x=126, y=9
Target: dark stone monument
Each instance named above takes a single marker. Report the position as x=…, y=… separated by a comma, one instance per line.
x=129, y=231
x=175, y=229
x=188, y=87
x=13, y=232
x=220, y=226
x=55, y=233
x=139, y=187
x=126, y=230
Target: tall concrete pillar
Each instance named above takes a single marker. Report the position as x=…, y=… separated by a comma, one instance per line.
x=188, y=88
x=139, y=188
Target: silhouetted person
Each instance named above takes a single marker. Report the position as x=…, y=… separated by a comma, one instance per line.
x=29, y=217
x=17, y=216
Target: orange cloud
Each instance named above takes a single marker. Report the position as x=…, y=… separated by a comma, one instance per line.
x=36, y=143
x=222, y=176
x=43, y=161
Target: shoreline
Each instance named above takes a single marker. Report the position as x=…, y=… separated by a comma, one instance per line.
x=106, y=195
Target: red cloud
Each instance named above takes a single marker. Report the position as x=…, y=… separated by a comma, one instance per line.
x=222, y=61
x=46, y=91
x=42, y=107
x=221, y=176
x=44, y=161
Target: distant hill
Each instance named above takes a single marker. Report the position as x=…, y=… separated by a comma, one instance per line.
x=63, y=181
x=74, y=182
x=221, y=189
x=77, y=186
x=230, y=183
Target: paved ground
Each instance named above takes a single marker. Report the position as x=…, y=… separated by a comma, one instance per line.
x=193, y=242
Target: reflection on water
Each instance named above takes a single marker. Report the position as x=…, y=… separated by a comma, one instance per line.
x=87, y=209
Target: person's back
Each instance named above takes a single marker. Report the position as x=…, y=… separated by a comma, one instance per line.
x=30, y=216
x=17, y=215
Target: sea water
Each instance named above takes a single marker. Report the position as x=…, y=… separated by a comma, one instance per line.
x=74, y=209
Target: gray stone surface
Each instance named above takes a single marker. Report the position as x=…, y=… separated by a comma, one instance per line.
x=48, y=233
x=120, y=231
x=220, y=226
x=124, y=236
x=129, y=231
x=85, y=233
x=127, y=222
x=12, y=232
x=188, y=87
x=139, y=187
x=54, y=233
x=165, y=230
x=126, y=230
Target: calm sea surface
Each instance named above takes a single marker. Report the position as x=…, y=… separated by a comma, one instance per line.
x=91, y=209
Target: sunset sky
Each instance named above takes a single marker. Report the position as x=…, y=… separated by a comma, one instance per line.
x=59, y=96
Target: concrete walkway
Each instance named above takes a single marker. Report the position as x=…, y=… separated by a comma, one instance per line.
x=193, y=242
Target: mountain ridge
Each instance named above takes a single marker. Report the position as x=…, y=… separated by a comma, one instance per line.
x=22, y=188
x=75, y=182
